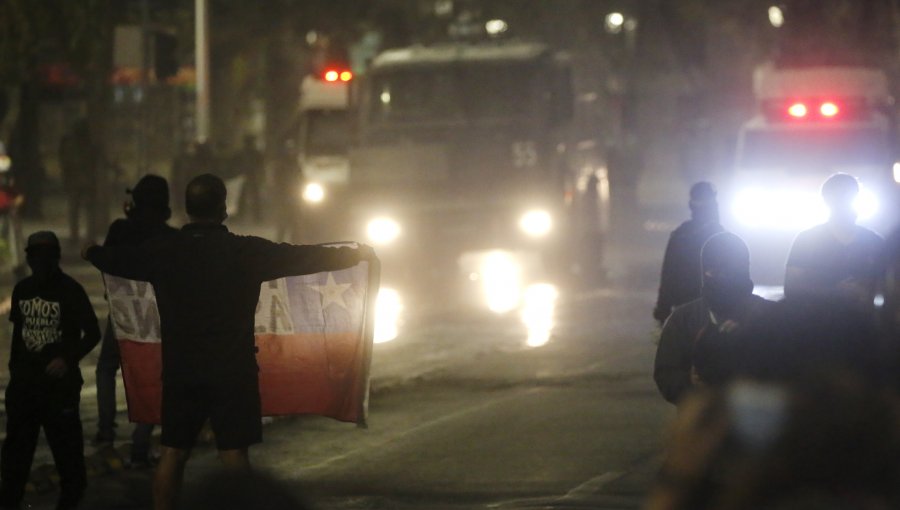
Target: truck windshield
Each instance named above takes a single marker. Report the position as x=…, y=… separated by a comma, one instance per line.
x=814, y=148
x=469, y=92
x=327, y=132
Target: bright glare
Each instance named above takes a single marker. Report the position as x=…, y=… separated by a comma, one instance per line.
x=614, y=22
x=385, y=97
x=776, y=16
x=388, y=308
x=496, y=26
x=313, y=193
x=346, y=76
x=537, y=312
x=5, y=163
x=536, y=223
x=501, y=281
x=331, y=75
x=866, y=203
x=779, y=209
x=829, y=109
x=797, y=110
x=897, y=173
x=382, y=231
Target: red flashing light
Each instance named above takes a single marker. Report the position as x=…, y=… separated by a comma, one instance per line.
x=829, y=109
x=797, y=110
x=335, y=75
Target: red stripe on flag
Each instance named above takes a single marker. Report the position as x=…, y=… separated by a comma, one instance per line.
x=312, y=374
x=142, y=374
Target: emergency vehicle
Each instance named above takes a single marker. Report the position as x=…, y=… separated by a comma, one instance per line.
x=810, y=123
x=466, y=176
x=323, y=131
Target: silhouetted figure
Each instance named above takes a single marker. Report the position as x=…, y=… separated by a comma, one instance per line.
x=207, y=283
x=79, y=158
x=249, y=163
x=838, y=259
x=145, y=218
x=289, y=182
x=54, y=326
x=822, y=443
x=679, y=280
x=695, y=346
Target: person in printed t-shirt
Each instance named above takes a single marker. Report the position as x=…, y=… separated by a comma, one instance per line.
x=54, y=326
x=207, y=283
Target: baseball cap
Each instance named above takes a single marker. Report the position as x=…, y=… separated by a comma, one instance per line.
x=703, y=191
x=150, y=191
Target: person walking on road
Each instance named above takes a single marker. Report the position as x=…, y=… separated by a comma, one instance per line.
x=694, y=347
x=838, y=259
x=207, y=283
x=79, y=158
x=249, y=163
x=54, y=326
x=679, y=280
x=145, y=218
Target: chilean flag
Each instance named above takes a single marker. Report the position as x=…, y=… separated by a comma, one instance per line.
x=313, y=336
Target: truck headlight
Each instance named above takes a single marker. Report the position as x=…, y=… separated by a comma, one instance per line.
x=313, y=192
x=866, y=203
x=536, y=223
x=383, y=231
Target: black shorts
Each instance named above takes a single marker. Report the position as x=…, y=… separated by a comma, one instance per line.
x=232, y=407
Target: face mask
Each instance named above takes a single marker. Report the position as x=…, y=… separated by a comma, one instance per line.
x=723, y=293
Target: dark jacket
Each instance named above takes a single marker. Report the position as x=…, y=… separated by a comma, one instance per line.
x=50, y=319
x=207, y=281
x=680, y=278
x=683, y=346
x=133, y=232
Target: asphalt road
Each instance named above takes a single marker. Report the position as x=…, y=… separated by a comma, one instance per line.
x=463, y=414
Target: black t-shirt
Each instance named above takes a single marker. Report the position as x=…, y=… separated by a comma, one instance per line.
x=831, y=261
x=207, y=283
x=50, y=319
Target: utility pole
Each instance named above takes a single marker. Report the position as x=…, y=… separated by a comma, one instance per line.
x=201, y=35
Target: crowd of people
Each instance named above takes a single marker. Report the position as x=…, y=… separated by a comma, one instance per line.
x=207, y=283
x=787, y=404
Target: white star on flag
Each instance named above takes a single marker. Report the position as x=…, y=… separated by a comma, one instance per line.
x=332, y=292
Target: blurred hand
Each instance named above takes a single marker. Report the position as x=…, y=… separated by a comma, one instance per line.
x=84, y=249
x=57, y=368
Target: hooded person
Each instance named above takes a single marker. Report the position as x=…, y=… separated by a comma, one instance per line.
x=695, y=345
x=54, y=327
x=680, y=279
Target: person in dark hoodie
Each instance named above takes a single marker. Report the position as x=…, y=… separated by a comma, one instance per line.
x=679, y=280
x=145, y=218
x=694, y=347
x=54, y=326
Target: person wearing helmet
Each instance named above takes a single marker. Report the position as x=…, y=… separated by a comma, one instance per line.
x=838, y=259
x=679, y=280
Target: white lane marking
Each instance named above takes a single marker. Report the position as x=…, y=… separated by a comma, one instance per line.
x=593, y=486
x=433, y=423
